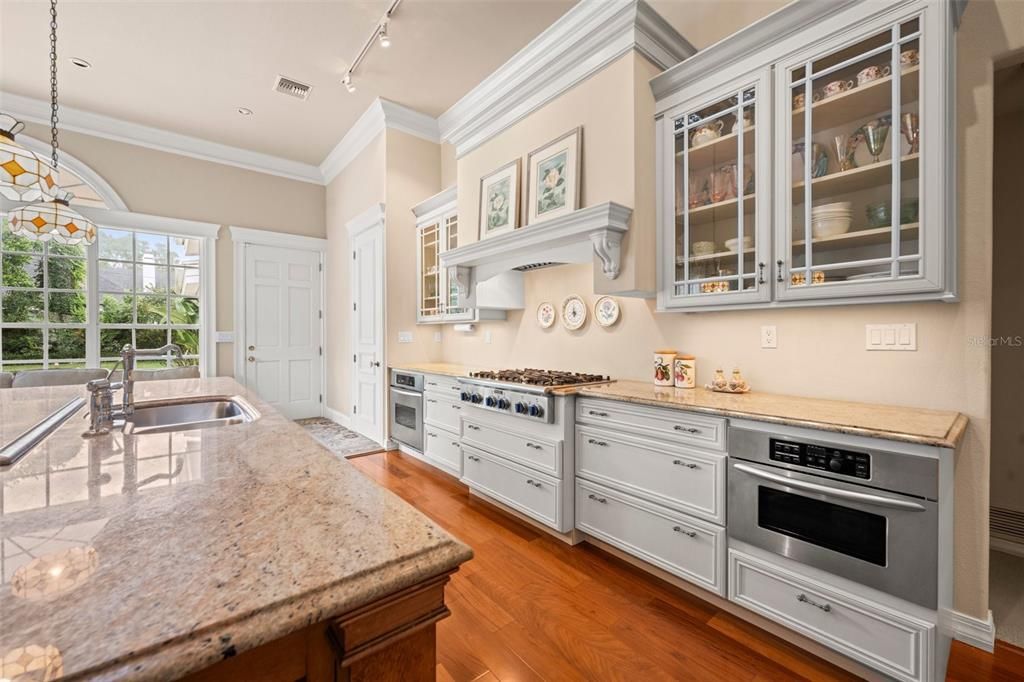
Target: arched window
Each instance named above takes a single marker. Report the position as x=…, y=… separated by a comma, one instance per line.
x=75, y=306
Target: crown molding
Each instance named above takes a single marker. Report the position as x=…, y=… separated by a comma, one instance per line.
x=439, y=202
x=587, y=38
x=107, y=127
x=380, y=115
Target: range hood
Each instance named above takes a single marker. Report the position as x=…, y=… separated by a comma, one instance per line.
x=573, y=238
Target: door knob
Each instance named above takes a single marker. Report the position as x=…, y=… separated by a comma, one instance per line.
x=252, y=358
x=376, y=363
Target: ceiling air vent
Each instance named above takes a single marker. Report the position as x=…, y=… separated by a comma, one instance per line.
x=292, y=87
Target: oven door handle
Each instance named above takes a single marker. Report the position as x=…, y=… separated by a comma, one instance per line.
x=866, y=498
x=409, y=394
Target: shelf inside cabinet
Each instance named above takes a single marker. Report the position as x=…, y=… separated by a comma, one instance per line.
x=855, y=179
x=718, y=255
x=859, y=102
x=720, y=150
x=722, y=210
x=865, y=237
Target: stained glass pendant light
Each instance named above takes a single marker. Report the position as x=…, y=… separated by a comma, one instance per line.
x=24, y=175
x=54, y=218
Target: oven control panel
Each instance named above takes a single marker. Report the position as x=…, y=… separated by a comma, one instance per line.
x=821, y=457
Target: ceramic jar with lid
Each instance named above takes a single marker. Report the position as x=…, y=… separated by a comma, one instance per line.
x=685, y=371
x=663, y=360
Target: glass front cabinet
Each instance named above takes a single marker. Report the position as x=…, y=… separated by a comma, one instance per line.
x=822, y=173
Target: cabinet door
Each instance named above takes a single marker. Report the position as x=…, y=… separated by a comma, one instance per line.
x=716, y=168
x=862, y=162
x=453, y=311
x=431, y=304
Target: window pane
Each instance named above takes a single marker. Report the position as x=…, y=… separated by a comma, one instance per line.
x=150, y=278
x=188, y=339
x=116, y=309
x=66, y=273
x=115, y=244
x=22, y=306
x=150, y=338
x=150, y=248
x=185, y=281
x=115, y=276
x=184, y=251
x=76, y=250
x=152, y=310
x=14, y=242
x=184, y=311
x=68, y=307
x=22, y=270
x=21, y=344
x=112, y=340
x=67, y=344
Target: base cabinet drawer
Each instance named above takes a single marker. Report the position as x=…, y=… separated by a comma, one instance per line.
x=653, y=422
x=684, y=546
x=685, y=479
x=442, y=413
x=443, y=386
x=535, y=453
x=894, y=643
x=442, y=449
x=533, y=494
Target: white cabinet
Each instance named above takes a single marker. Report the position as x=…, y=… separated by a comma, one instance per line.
x=536, y=495
x=442, y=424
x=818, y=142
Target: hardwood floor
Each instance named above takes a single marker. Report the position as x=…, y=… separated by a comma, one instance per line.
x=529, y=607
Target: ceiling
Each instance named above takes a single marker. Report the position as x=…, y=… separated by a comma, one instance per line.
x=187, y=66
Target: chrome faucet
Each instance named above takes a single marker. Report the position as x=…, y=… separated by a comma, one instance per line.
x=101, y=391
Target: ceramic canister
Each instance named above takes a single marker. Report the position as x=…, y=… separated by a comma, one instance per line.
x=663, y=360
x=685, y=371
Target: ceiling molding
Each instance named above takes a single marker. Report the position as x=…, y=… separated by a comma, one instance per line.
x=587, y=38
x=380, y=115
x=118, y=130
x=103, y=189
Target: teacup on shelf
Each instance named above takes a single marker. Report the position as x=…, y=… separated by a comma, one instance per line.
x=909, y=58
x=706, y=133
x=872, y=73
x=836, y=87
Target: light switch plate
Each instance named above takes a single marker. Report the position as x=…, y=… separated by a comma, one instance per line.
x=404, y=337
x=437, y=337
x=890, y=336
x=225, y=337
x=769, y=337
x=487, y=336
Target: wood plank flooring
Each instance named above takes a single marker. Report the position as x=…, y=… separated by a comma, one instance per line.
x=528, y=607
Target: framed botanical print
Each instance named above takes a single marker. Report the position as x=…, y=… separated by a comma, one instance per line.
x=553, y=177
x=499, y=201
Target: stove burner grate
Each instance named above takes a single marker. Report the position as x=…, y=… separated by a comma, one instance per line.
x=539, y=377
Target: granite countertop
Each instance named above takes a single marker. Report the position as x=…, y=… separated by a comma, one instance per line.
x=152, y=556
x=443, y=368
x=910, y=425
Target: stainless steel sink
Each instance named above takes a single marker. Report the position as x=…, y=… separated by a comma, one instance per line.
x=186, y=414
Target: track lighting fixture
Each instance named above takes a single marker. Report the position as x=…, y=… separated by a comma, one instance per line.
x=347, y=82
x=380, y=34
x=385, y=41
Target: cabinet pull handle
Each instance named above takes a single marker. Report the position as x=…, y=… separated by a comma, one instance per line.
x=432, y=383
x=431, y=434
x=807, y=600
x=473, y=458
x=686, y=429
x=597, y=414
x=473, y=426
x=778, y=274
x=760, y=272
x=595, y=498
x=534, y=446
x=535, y=484
x=687, y=533
x=431, y=400
x=456, y=407
x=456, y=443
x=688, y=465
x=597, y=442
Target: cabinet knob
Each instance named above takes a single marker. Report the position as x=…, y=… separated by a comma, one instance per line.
x=252, y=358
x=252, y=347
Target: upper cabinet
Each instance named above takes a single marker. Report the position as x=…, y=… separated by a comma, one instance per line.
x=821, y=171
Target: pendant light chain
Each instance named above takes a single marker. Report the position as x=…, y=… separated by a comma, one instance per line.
x=53, y=79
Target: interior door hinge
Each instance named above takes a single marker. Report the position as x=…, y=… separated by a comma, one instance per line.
x=353, y=255
x=320, y=314
x=321, y=350
x=320, y=267
x=321, y=397
x=354, y=409
x=353, y=357
x=353, y=306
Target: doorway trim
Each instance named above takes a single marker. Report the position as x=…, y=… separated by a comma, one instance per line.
x=240, y=237
x=372, y=219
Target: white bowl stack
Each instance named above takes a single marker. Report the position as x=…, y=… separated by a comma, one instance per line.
x=829, y=220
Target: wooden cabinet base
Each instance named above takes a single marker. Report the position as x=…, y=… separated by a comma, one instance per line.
x=392, y=639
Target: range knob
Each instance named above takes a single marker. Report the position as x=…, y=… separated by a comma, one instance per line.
x=536, y=411
x=476, y=398
x=521, y=408
x=502, y=404
x=836, y=464
x=465, y=396
x=490, y=401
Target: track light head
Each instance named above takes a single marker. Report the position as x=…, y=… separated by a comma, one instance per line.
x=382, y=35
x=347, y=82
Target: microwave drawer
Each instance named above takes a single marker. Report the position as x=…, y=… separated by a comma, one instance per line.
x=687, y=480
x=536, y=453
x=653, y=422
x=442, y=449
x=877, y=636
x=526, y=491
x=682, y=545
x=442, y=413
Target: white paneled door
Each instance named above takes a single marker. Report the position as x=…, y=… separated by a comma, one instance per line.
x=368, y=414
x=283, y=352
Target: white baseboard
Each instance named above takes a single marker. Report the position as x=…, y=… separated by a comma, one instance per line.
x=1006, y=546
x=338, y=417
x=974, y=631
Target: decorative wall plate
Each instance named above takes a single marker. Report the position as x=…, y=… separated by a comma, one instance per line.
x=545, y=315
x=606, y=311
x=574, y=313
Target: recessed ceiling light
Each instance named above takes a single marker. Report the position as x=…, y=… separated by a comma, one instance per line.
x=81, y=63
x=244, y=111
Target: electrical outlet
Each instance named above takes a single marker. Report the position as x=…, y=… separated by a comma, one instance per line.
x=404, y=337
x=890, y=336
x=487, y=336
x=769, y=337
x=437, y=337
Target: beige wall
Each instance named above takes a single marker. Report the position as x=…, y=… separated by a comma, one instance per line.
x=175, y=186
x=1007, y=303
x=821, y=350
x=353, y=191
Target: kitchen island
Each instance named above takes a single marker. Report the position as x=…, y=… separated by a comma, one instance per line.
x=242, y=552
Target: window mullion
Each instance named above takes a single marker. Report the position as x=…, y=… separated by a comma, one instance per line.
x=92, y=308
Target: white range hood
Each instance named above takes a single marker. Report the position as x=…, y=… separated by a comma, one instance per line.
x=573, y=238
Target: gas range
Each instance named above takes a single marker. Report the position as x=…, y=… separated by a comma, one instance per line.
x=521, y=392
